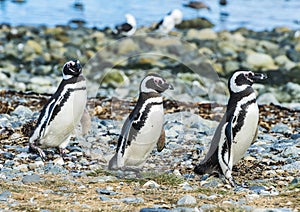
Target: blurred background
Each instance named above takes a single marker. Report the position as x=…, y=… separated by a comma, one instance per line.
x=253, y=14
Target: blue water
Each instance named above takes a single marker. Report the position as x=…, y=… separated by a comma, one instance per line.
x=253, y=14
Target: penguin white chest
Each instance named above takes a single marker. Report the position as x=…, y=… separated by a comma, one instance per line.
x=146, y=137
x=66, y=119
x=246, y=134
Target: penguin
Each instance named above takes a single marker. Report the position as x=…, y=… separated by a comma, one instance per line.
x=143, y=128
x=237, y=129
x=128, y=28
x=168, y=23
x=62, y=113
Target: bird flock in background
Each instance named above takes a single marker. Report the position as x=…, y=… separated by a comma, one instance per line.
x=167, y=23
x=143, y=129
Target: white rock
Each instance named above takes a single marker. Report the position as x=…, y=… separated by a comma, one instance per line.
x=260, y=60
x=203, y=34
x=151, y=184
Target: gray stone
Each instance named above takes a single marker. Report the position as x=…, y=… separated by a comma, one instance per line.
x=267, y=98
x=104, y=198
x=203, y=34
x=5, y=195
x=257, y=189
x=34, y=178
x=209, y=207
x=154, y=210
x=187, y=200
x=22, y=111
x=132, y=200
x=293, y=166
x=281, y=128
x=105, y=191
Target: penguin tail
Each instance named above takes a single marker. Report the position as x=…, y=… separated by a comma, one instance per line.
x=200, y=169
x=113, y=163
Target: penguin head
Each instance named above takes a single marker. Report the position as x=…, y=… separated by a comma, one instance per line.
x=177, y=16
x=71, y=69
x=154, y=83
x=130, y=19
x=241, y=79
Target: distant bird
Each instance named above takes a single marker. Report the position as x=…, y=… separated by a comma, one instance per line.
x=223, y=2
x=168, y=23
x=197, y=5
x=78, y=5
x=62, y=112
x=223, y=12
x=128, y=28
x=143, y=129
x=237, y=129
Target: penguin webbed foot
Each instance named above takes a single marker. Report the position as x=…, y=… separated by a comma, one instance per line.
x=235, y=185
x=34, y=148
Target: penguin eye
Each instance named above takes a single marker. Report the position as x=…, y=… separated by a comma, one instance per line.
x=68, y=65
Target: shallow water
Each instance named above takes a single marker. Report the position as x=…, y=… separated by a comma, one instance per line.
x=253, y=14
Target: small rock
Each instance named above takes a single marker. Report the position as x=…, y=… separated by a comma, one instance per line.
x=203, y=34
x=154, y=210
x=22, y=111
x=151, y=184
x=22, y=168
x=260, y=61
x=105, y=191
x=5, y=195
x=281, y=128
x=104, y=198
x=34, y=178
x=59, y=161
x=132, y=200
x=208, y=207
x=187, y=200
x=257, y=189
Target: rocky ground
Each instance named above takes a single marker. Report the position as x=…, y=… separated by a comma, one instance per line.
x=197, y=62
x=270, y=168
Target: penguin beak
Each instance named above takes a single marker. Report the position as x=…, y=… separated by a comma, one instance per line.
x=258, y=76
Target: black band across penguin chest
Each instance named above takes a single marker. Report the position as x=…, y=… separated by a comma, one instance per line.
x=138, y=118
x=238, y=108
x=57, y=101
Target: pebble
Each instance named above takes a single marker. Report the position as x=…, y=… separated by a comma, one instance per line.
x=187, y=200
x=5, y=195
x=34, y=178
x=130, y=200
x=154, y=210
x=151, y=184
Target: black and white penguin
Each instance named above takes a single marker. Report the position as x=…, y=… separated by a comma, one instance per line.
x=168, y=23
x=143, y=129
x=237, y=129
x=128, y=28
x=62, y=113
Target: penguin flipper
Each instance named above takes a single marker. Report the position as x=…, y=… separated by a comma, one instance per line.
x=161, y=141
x=228, y=135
